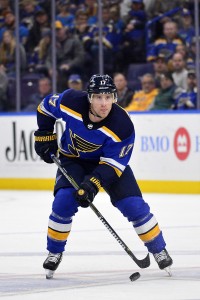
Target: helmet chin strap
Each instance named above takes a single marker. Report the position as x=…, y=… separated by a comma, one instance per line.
x=94, y=113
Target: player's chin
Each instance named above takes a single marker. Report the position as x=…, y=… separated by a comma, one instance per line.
x=104, y=114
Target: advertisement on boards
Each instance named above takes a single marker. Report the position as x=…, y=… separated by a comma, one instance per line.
x=167, y=146
x=167, y=149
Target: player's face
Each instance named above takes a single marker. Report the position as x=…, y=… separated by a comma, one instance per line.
x=101, y=104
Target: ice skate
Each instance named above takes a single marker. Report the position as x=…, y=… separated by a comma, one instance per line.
x=164, y=261
x=51, y=263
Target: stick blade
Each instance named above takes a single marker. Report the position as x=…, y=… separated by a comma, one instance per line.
x=144, y=263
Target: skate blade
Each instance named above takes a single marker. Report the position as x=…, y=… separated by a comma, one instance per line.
x=168, y=270
x=49, y=274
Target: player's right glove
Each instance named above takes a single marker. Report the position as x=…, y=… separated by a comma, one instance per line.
x=87, y=191
x=45, y=145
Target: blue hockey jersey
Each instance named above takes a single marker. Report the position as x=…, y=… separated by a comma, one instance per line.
x=108, y=143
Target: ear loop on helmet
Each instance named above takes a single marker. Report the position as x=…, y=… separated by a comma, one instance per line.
x=90, y=98
x=114, y=97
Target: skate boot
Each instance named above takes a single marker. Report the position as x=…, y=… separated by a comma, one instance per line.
x=164, y=261
x=51, y=263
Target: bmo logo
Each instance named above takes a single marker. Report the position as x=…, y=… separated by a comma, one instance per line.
x=182, y=143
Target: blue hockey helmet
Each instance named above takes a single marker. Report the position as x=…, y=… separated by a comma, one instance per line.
x=101, y=84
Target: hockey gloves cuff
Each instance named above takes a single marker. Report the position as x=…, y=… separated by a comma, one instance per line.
x=45, y=145
x=87, y=191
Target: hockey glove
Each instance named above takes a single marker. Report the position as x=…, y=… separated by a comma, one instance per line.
x=87, y=191
x=45, y=145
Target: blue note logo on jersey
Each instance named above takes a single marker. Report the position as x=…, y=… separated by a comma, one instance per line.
x=80, y=145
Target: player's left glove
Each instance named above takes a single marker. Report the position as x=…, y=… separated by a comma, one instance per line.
x=87, y=191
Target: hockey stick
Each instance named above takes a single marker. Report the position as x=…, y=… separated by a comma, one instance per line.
x=143, y=263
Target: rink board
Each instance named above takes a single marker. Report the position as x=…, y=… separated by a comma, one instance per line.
x=166, y=156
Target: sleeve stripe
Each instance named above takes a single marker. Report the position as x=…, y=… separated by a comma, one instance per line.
x=40, y=111
x=110, y=133
x=71, y=112
x=113, y=163
x=44, y=111
x=117, y=171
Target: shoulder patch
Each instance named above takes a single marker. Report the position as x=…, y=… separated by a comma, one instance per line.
x=53, y=99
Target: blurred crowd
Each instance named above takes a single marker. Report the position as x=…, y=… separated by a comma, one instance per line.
x=149, y=48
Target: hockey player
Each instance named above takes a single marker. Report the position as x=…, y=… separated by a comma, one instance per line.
x=95, y=149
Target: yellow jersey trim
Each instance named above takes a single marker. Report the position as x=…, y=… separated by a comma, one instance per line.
x=40, y=111
x=117, y=171
x=110, y=132
x=70, y=111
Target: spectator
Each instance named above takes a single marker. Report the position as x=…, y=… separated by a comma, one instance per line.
x=41, y=22
x=91, y=9
x=46, y=5
x=38, y=58
x=190, y=5
x=28, y=8
x=81, y=27
x=44, y=89
x=179, y=71
x=9, y=24
x=168, y=93
x=7, y=54
x=167, y=43
x=161, y=6
x=5, y=5
x=110, y=40
x=64, y=15
x=81, y=30
x=192, y=53
x=137, y=11
x=3, y=89
x=143, y=99
x=160, y=66
x=133, y=44
x=188, y=99
x=187, y=30
x=183, y=50
x=124, y=94
x=75, y=82
x=118, y=22
x=69, y=55
x=81, y=22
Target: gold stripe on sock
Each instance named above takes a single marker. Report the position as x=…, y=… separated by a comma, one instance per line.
x=150, y=235
x=60, y=236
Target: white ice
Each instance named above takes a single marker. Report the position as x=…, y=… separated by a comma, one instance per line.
x=95, y=266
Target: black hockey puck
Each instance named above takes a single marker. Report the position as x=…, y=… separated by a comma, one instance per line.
x=134, y=276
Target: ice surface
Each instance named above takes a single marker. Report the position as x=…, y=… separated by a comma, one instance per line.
x=94, y=265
